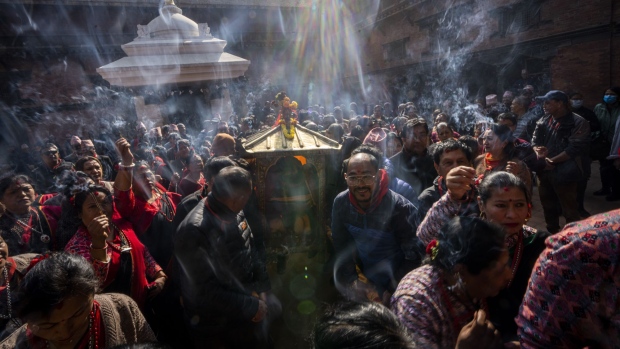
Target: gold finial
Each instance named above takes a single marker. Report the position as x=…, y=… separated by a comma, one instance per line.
x=169, y=2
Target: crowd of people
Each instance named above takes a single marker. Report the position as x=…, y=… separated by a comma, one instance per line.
x=158, y=236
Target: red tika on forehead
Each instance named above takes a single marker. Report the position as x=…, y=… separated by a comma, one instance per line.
x=506, y=188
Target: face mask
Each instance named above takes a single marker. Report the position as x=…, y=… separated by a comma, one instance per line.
x=576, y=103
x=610, y=99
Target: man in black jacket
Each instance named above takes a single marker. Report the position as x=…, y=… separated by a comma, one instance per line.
x=413, y=164
x=446, y=156
x=224, y=284
x=561, y=139
x=49, y=168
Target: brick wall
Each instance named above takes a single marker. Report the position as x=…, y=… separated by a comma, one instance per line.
x=585, y=68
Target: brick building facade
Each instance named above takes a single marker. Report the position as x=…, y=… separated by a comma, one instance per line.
x=473, y=48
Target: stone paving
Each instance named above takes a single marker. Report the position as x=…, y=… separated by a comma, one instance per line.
x=593, y=204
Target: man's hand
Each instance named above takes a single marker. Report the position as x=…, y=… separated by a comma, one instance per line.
x=479, y=334
x=541, y=152
x=513, y=168
x=459, y=181
x=549, y=164
x=261, y=312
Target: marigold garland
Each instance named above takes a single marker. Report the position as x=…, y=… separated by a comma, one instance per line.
x=289, y=133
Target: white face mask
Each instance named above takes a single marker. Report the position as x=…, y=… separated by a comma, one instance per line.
x=576, y=103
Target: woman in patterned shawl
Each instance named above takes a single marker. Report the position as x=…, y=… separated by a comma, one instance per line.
x=505, y=200
x=443, y=303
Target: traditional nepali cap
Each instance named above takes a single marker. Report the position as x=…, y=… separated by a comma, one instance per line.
x=75, y=140
x=555, y=95
x=491, y=99
x=222, y=141
x=508, y=94
x=376, y=137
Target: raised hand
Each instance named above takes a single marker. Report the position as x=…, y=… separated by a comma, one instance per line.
x=124, y=150
x=459, y=181
x=98, y=229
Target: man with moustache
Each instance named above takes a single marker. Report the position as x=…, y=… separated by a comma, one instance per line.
x=373, y=230
x=446, y=156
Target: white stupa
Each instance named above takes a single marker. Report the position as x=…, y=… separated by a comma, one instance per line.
x=173, y=49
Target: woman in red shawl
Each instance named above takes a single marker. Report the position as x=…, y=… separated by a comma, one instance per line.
x=498, y=155
x=121, y=262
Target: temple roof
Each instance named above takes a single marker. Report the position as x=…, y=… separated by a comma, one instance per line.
x=272, y=141
x=173, y=49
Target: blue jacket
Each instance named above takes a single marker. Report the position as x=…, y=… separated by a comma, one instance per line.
x=382, y=242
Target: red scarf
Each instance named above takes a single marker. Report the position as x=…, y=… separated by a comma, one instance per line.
x=377, y=195
x=139, y=284
x=490, y=163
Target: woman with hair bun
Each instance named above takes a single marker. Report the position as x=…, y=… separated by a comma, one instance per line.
x=443, y=303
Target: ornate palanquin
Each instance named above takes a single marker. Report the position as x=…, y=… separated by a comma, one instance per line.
x=290, y=182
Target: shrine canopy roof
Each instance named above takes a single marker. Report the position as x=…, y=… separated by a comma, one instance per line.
x=273, y=142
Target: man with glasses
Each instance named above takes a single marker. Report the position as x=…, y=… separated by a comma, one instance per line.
x=50, y=167
x=373, y=231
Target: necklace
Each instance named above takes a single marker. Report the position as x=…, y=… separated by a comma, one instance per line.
x=23, y=225
x=166, y=207
x=124, y=245
x=93, y=330
x=5, y=272
x=516, y=258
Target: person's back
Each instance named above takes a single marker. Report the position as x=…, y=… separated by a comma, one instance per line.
x=223, y=281
x=571, y=299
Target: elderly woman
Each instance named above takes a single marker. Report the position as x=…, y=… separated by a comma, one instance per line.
x=444, y=120
x=24, y=227
x=504, y=200
x=146, y=204
x=69, y=314
x=94, y=169
x=13, y=271
x=498, y=147
x=443, y=303
x=121, y=262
